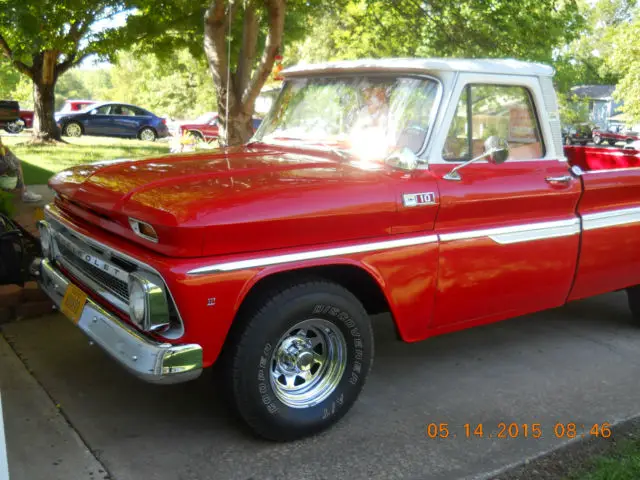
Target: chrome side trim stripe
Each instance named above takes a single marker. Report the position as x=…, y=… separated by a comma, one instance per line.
x=520, y=233
x=328, y=252
x=611, y=218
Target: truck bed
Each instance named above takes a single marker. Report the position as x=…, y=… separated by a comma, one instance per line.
x=599, y=158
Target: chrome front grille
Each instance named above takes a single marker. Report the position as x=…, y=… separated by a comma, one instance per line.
x=103, y=270
x=117, y=287
x=97, y=268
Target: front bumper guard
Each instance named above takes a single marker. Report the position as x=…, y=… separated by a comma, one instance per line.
x=148, y=359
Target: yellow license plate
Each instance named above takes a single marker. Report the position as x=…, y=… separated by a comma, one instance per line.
x=73, y=303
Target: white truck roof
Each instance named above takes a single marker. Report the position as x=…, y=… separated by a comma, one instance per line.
x=488, y=65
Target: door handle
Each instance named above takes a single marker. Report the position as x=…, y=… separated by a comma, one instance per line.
x=563, y=180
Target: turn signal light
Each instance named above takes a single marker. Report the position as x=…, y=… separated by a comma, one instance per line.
x=144, y=230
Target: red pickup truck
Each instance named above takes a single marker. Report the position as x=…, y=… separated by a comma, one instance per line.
x=437, y=190
x=614, y=135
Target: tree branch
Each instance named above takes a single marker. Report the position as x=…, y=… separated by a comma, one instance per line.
x=275, y=18
x=20, y=66
x=247, y=49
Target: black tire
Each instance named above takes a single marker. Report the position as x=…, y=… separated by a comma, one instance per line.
x=257, y=359
x=633, y=295
x=147, y=134
x=72, y=129
x=611, y=142
x=597, y=139
x=14, y=127
x=197, y=135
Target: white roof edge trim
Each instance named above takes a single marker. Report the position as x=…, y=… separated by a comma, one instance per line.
x=475, y=65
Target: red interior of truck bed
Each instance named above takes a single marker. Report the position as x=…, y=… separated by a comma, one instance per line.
x=601, y=158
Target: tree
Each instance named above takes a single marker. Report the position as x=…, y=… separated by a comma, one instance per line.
x=527, y=29
x=241, y=39
x=583, y=60
x=43, y=39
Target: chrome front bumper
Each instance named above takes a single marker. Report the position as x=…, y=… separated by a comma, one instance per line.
x=147, y=359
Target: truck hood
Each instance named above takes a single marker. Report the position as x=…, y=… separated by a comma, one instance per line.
x=230, y=201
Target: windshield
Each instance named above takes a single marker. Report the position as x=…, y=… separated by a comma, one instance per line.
x=367, y=117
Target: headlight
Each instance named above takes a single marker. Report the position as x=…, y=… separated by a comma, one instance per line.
x=137, y=302
x=45, y=238
x=148, y=305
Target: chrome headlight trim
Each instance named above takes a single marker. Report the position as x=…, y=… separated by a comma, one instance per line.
x=46, y=239
x=156, y=308
x=137, y=227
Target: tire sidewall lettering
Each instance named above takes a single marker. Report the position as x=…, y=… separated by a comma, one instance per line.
x=352, y=376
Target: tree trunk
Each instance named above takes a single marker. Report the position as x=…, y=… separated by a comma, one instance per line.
x=44, y=124
x=44, y=84
x=239, y=86
x=240, y=128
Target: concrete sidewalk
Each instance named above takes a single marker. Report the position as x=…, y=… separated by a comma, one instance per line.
x=41, y=444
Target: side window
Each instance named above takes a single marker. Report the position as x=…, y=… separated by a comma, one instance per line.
x=104, y=110
x=486, y=110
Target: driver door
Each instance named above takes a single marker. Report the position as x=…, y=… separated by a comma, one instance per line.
x=508, y=233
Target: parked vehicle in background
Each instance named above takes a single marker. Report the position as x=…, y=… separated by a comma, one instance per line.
x=9, y=112
x=73, y=106
x=25, y=120
x=205, y=127
x=112, y=119
x=580, y=133
x=614, y=134
x=437, y=190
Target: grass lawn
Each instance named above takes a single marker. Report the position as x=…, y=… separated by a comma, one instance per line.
x=621, y=463
x=41, y=162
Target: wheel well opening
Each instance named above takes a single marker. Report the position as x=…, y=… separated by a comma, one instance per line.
x=356, y=280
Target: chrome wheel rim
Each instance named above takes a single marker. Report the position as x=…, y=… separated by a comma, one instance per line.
x=73, y=130
x=308, y=363
x=147, y=135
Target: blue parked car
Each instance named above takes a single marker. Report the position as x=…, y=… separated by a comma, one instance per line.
x=113, y=120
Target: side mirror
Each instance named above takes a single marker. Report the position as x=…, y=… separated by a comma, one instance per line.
x=497, y=150
x=404, y=159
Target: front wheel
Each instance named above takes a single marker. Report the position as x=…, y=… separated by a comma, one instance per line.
x=300, y=359
x=72, y=129
x=633, y=295
x=148, y=134
x=597, y=139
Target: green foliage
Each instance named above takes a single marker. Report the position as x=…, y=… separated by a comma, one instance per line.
x=625, y=61
x=9, y=78
x=65, y=26
x=91, y=84
x=583, y=60
x=177, y=85
x=573, y=109
x=527, y=29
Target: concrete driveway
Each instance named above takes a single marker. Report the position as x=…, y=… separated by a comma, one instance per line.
x=574, y=364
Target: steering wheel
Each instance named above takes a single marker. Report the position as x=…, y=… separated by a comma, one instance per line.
x=412, y=137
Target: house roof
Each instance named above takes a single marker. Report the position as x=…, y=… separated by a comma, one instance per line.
x=498, y=66
x=596, y=92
